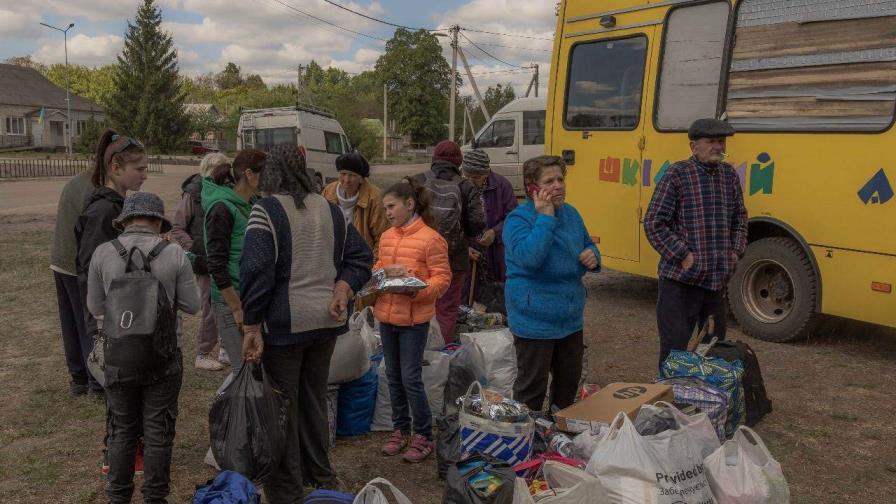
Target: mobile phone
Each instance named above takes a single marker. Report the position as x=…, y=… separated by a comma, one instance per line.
x=532, y=189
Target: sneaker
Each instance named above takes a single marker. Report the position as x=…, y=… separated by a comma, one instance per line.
x=138, y=459
x=395, y=444
x=206, y=363
x=223, y=358
x=77, y=388
x=419, y=450
x=105, y=468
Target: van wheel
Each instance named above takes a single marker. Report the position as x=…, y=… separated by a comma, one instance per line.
x=773, y=291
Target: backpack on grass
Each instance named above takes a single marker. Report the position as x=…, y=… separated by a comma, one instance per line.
x=139, y=322
x=756, y=401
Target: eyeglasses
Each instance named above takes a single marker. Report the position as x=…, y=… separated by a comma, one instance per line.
x=117, y=146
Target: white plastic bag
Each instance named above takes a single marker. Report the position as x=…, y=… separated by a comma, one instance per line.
x=586, y=442
x=351, y=356
x=434, y=340
x=699, y=426
x=567, y=485
x=373, y=493
x=661, y=469
x=500, y=357
x=435, y=376
x=743, y=471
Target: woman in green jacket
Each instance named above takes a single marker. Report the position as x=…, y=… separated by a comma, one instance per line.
x=226, y=200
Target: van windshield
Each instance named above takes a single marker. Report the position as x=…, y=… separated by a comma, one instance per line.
x=265, y=139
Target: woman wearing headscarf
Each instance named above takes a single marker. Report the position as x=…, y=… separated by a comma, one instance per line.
x=302, y=262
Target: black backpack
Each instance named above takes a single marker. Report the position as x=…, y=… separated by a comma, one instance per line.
x=756, y=400
x=139, y=323
x=446, y=207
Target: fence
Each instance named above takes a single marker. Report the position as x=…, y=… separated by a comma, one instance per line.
x=60, y=167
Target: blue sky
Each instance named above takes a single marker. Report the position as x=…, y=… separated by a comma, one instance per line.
x=270, y=38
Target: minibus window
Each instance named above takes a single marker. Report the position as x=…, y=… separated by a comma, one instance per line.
x=606, y=78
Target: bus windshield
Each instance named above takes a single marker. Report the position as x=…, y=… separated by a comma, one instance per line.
x=265, y=139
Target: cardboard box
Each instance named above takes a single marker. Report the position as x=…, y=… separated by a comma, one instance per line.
x=603, y=406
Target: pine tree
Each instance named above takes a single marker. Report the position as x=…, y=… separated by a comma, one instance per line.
x=148, y=100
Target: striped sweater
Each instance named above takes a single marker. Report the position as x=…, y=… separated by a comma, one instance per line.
x=291, y=260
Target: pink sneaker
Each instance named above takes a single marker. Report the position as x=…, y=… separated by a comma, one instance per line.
x=419, y=450
x=395, y=444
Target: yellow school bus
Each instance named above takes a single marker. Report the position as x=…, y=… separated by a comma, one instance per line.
x=810, y=88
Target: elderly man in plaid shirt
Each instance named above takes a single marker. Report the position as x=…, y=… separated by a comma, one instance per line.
x=698, y=223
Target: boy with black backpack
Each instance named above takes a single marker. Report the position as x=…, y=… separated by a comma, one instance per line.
x=456, y=207
x=136, y=284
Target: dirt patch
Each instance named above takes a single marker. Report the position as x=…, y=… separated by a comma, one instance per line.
x=832, y=428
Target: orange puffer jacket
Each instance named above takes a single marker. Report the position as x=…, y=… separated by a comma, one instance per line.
x=424, y=252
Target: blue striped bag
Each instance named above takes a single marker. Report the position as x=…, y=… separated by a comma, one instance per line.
x=720, y=373
x=709, y=399
x=507, y=441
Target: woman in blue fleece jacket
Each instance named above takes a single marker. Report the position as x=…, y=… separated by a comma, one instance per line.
x=548, y=251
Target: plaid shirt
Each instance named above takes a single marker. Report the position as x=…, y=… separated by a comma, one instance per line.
x=698, y=208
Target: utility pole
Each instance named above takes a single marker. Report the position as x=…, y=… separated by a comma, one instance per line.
x=68, y=101
x=463, y=58
x=385, y=121
x=463, y=140
x=536, y=80
x=451, y=112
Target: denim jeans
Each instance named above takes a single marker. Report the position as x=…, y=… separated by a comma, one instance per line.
x=403, y=348
x=680, y=307
x=156, y=406
x=301, y=372
x=231, y=337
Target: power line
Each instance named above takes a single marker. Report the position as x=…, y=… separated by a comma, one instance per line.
x=517, y=71
x=515, y=47
x=312, y=16
x=490, y=55
x=377, y=19
x=507, y=34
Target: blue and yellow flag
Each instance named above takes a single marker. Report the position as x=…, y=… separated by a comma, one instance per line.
x=40, y=118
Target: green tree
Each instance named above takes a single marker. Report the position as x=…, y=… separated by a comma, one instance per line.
x=419, y=81
x=93, y=128
x=495, y=98
x=148, y=100
x=230, y=77
x=95, y=84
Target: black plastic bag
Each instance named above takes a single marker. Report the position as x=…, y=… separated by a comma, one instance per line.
x=479, y=479
x=247, y=424
x=466, y=365
x=448, y=444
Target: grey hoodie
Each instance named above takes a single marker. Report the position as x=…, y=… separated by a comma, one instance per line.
x=171, y=267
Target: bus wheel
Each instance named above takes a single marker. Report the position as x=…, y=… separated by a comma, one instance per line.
x=773, y=291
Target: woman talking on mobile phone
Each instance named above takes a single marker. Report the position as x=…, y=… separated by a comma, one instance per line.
x=548, y=251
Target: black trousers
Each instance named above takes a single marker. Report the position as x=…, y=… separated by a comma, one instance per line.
x=536, y=358
x=681, y=307
x=152, y=410
x=301, y=371
x=91, y=328
x=71, y=321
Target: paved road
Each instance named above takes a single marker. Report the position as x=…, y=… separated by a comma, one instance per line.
x=39, y=197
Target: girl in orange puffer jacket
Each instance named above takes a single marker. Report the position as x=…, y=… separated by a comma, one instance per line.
x=409, y=247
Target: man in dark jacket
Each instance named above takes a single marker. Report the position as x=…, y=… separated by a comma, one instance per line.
x=697, y=222
x=63, y=263
x=456, y=227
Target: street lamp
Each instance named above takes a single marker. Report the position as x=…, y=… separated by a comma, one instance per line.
x=68, y=101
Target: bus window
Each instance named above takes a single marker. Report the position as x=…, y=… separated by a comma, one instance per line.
x=817, y=66
x=499, y=134
x=334, y=142
x=533, y=127
x=266, y=139
x=605, y=82
x=692, y=65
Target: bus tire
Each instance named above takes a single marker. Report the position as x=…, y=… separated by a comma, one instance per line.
x=774, y=290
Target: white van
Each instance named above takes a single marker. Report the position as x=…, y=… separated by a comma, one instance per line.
x=514, y=134
x=313, y=130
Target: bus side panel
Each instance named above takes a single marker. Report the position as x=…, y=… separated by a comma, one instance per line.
x=847, y=285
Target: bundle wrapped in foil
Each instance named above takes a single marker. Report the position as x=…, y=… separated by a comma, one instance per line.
x=495, y=407
x=380, y=283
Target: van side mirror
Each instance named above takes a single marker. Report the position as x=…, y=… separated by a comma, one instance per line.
x=474, y=143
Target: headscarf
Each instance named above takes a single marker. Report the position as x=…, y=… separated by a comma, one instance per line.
x=285, y=173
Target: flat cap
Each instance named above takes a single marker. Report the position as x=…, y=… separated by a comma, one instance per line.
x=709, y=128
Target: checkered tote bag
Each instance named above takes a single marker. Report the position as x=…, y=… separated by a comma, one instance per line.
x=507, y=441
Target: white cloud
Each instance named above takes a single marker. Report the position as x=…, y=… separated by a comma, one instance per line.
x=82, y=50
x=16, y=24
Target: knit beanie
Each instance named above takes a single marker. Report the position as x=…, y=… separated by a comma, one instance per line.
x=476, y=162
x=353, y=162
x=448, y=151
